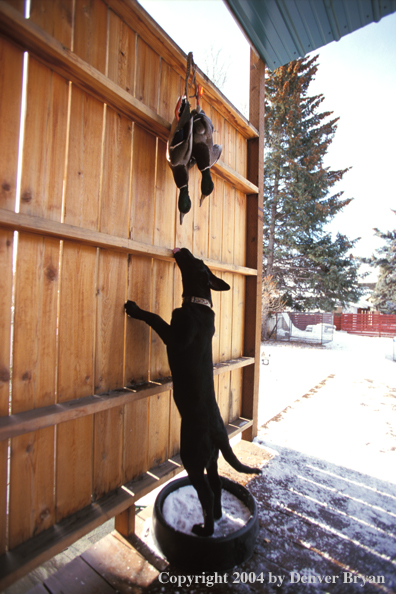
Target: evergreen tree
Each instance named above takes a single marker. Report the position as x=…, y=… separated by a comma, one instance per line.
x=311, y=269
x=384, y=295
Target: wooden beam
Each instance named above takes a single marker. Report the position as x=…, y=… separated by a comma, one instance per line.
x=254, y=246
x=47, y=416
x=35, y=551
x=32, y=224
x=52, y=53
x=234, y=178
x=146, y=27
x=124, y=522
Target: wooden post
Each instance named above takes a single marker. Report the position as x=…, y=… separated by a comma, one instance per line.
x=124, y=522
x=254, y=246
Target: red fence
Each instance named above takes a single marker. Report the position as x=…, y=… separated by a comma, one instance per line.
x=369, y=324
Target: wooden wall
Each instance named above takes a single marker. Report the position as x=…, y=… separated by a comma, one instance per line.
x=88, y=218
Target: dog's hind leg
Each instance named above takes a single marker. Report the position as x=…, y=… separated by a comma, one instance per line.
x=215, y=484
x=201, y=484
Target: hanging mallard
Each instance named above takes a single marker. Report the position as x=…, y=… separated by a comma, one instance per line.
x=191, y=141
x=179, y=152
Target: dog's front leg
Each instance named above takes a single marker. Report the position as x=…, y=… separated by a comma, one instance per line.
x=156, y=322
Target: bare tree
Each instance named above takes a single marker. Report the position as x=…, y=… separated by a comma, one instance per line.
x=216, y=66
x=272, y=302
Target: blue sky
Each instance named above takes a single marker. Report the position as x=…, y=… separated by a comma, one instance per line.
x=357, y=76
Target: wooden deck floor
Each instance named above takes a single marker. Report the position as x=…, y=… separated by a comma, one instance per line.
x=323, y=527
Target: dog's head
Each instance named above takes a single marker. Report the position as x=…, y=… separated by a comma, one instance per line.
x=197, y=279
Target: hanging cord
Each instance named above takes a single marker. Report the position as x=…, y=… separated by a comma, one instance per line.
x=190, y=62
x=198, y=89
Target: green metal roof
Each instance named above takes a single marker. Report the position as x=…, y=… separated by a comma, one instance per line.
x=284, y=30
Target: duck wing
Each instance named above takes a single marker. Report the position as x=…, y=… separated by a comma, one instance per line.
x=180, y=141
x=203, y=150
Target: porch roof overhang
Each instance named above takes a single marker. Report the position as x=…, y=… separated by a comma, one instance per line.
x=285, y=30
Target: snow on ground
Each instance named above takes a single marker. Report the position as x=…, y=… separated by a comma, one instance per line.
x=354, y=410
x=295, y=368
x=333, y=435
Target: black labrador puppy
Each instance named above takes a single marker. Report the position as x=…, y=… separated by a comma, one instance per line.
x=188, y=339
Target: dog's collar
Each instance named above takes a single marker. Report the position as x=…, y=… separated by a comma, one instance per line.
x=198, y=300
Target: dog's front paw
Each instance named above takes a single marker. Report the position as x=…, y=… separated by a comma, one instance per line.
x=201, y=530
x=133, y=310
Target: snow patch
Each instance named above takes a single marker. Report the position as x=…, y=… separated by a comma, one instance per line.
x=182, y=509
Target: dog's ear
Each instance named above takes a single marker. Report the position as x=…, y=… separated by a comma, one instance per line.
x=217, y=284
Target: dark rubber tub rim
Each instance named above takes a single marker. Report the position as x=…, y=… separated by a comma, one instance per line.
x=202, y=553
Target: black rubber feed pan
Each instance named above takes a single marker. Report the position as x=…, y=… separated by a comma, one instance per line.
x=197, y=553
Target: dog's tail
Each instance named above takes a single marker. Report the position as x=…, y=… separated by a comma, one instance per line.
x=233, y=461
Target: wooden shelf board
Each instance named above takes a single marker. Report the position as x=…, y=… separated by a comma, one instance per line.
x=35, y=551
x=47, y=416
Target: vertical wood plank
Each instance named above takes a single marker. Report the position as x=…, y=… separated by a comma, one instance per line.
x=84, y=161
x=236, y=394
x=162, y=304
x=201, y=216
x=6, y=249
x=34, y=364
x=32, y=465
x=238, y=315
x=147, y=75
x=143, y=185
x=254, y=246
x=76, y=322
x=224, y=396
x=44, y=148
x=115, y=199
x=10, y=108
x=240, y=229
x=124, y=523
x=35, y=321
x=229, y=149
x=137, y=348
x=136, y=438
x=184, y=232
x=73, y=466
x=169, y=91
x=158, y=428
x=108, y=456
x=121, y=53
x=90, y=32
x=228, y=224
x=109, y=368
x=165, y=201
x=241, y=154
x=110, y=298
x=216, y=299
x=216, y=220
x=226, y=318
x=55, y=17
x=75, y=377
